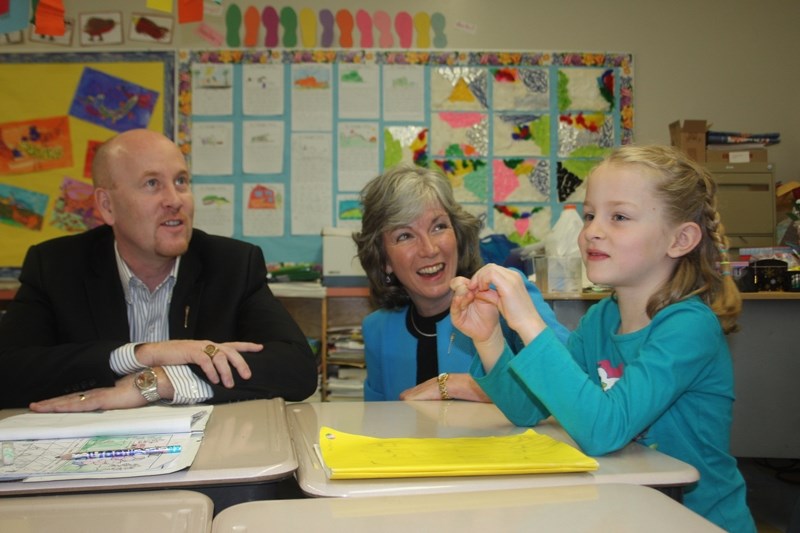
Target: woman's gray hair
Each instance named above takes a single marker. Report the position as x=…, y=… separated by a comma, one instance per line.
x=396, y=198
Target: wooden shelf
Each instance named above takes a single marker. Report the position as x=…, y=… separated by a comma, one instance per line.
x=347, y=292
x=341, y=307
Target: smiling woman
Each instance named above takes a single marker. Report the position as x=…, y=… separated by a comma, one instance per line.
x=415, y=239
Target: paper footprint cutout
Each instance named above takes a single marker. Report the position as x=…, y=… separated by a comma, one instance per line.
x=437, y=24
x=404, y=26
x=384, y=24
x=251, y=26
x=308, y=27
x=422, y=23
x=289, y=23
x=233, y=20
x=326, y=20
x=344, y=19
x=269, y=17
x=364, y=23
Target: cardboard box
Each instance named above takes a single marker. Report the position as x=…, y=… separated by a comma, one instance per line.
x=730, y=154
x=340, y=264
x=690, y=138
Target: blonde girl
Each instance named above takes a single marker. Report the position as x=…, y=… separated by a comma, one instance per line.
x=650, y=363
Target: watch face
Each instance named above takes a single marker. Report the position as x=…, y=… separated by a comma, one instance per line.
x=146, y=379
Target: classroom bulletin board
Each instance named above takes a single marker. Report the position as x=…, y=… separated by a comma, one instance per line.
x=280, y=142
x=56, y=108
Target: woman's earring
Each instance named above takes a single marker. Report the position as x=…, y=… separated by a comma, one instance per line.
x=387, y=279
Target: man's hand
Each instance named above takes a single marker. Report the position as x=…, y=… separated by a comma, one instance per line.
x=123, y=395
x=217, y=367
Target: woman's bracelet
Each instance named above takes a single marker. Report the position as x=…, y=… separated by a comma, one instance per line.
x=443, y=386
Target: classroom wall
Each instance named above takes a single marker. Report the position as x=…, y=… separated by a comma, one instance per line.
x=732, y=62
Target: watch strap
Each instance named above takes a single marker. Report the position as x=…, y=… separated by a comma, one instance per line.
x=151, y=395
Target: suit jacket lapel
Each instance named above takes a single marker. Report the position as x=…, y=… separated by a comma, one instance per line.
x=104, y=292
x=185, y=305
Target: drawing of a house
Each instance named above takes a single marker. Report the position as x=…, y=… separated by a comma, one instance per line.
x=261, y=197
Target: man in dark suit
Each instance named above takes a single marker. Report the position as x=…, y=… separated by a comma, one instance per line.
x=145, y=308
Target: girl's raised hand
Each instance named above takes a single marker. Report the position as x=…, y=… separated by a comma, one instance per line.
x=475, y=317
x=506, y=289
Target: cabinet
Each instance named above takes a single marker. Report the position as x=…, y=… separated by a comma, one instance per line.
x=329, y=307
x=746, y=202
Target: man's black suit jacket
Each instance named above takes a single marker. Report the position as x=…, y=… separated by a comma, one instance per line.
x=70, y=313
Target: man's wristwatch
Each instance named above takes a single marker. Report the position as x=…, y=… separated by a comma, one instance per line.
x=146, y=382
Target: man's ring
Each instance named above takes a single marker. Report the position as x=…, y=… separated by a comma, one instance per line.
x=82, y=396
x=211, y=350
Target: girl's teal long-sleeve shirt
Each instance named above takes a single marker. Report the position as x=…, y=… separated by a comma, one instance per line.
x=668, y=386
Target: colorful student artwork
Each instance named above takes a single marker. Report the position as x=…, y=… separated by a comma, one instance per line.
x=459, y=89
x=580, y=134
x=311, y=78
x=349, y=209
x=74, y=210
x=22, y=208
x=469, y=178
x=91, y=149
x=405, y=144
x=520, y=89
x=64, y=39
x=521, y=180
x=344, y=28
x=35, y=145
x=112, y=102
x=516, y=133
x=522, y=224
x=151, y=28
x=264, y=209
x=100, y=28
x=47, y=146
x=571, y=176
x=590, y=89
x=521, y=134
x=262, y=197
x=456, y=134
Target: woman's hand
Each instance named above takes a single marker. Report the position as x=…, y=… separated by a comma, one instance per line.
x=460, y=386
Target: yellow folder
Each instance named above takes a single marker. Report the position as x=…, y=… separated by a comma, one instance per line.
x=348, y=456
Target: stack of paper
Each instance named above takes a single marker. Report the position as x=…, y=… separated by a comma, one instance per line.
x=346, y=346
x=348, y=384
x=34, y=444
x=348, y=456
x=298, y=289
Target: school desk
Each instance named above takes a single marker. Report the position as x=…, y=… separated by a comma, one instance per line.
x=610, y=507
x=634, y=464
x=168, y=511
x=245, y=451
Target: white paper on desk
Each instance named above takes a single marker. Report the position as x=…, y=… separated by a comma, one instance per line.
x=40, y=460
x=152, y=419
